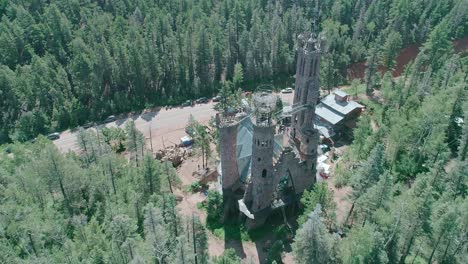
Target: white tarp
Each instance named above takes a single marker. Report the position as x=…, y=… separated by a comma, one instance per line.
x=243, y=208
x=325, y=167
x=322, y=159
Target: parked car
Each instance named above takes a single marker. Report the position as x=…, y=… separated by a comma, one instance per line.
x=187, y=103
x=217, y=98
x=88, y=125
x=202, y=100
x=53, y=136
x=109, y=119
x=186, y=141
x=287, y=90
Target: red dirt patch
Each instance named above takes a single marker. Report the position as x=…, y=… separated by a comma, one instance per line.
x=406, y=55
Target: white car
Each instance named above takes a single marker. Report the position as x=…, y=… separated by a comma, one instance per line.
x=287, y=90
x=53, y=136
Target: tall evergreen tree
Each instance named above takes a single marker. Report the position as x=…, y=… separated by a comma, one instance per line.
x=313, y=243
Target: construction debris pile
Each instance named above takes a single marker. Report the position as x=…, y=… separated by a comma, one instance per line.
x=206, y=175
x=175, y=154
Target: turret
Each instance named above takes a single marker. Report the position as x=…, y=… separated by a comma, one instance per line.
x=262, y=151
x=227, y=145
x=307, y=77
x=229, y=173
x=307, y=94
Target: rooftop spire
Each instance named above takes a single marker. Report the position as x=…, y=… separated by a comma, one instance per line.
x=316, y=18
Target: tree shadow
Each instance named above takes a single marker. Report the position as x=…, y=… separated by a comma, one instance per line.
x=148, y=116
x=233, y=237
x=263, y=237
x=274, y=230
x=262, y=251
x=120, y=121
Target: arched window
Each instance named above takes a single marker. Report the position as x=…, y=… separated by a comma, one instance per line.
x=264, y=173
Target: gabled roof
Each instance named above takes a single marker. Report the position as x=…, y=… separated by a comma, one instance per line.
x=328, y=114
x=244, y=147
x=343, y=108
x=340, y=93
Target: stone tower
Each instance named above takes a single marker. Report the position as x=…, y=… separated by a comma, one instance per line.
x=262, y=172
x=307, y=82
x=230, y=179
x=227, y=146
x=307, y=94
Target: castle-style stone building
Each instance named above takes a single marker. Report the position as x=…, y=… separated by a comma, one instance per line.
x=261, y=169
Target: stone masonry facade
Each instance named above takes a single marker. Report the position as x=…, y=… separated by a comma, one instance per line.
x=282, y=165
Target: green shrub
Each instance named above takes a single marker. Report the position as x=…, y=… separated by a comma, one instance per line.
x=214, y=208
x=194, y=187
x=281, y=232
x=200, y=206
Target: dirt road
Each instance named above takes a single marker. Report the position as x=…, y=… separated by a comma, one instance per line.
x=164, y=124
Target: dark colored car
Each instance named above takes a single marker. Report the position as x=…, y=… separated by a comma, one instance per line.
x=202, y=100
x=53, y=136
x=109, y=119
x=187, y=103
x=88, y=125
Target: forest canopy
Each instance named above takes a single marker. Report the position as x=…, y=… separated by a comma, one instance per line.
x=64, y=63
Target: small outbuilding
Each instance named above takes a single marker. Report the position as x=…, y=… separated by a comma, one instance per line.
x=336, y=113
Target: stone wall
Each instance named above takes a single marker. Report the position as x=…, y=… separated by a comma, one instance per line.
x=227, y=146
x=262, y=174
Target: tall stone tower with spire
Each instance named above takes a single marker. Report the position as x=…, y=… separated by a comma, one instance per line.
x=272, y=170
x=307, y=94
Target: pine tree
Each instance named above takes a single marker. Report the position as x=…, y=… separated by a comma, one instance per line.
x=204, y=61
x=390, y=50
x=320, y=194
x=446, y=223
x=376, y=197
x=151, y=171
x=313, y=243
x=238, y=78
x=156, y=234
x=229, y=256
x=228, y=101
x=122, y=231
x=367, y=176
x=200, y=241
x=371, y=71
x=135, y=141
x=363, y=245
x=418, y=204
